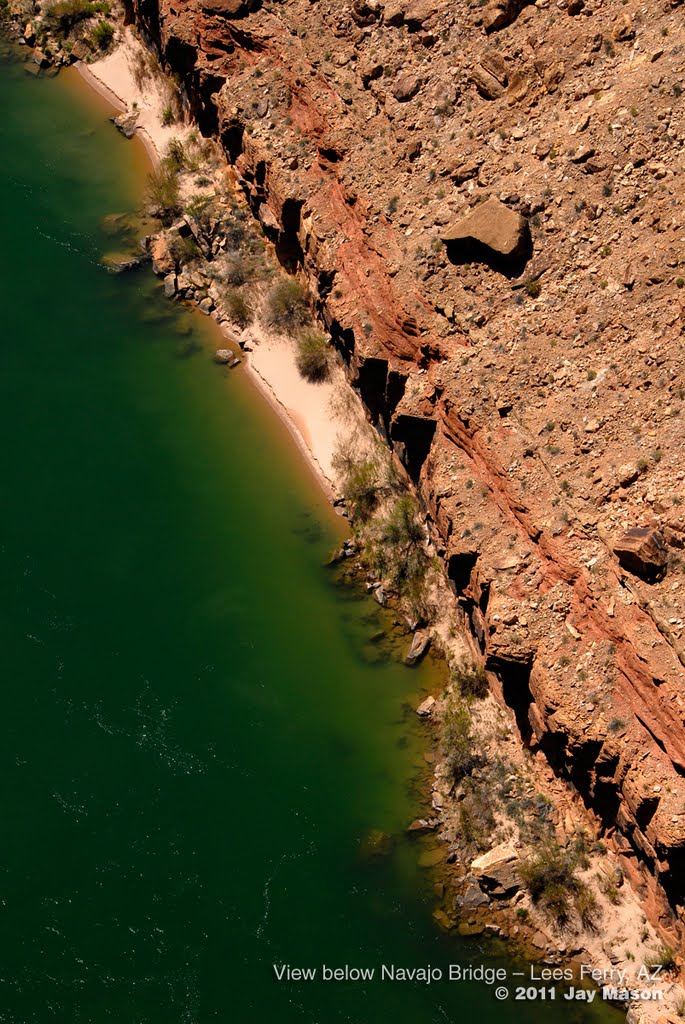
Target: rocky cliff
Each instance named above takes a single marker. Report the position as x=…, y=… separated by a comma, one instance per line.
x=487, y=201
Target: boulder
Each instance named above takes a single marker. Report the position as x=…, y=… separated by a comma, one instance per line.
x=80, y=50
x=490, y=232
x=223, y=356
x=127, y=123
x=487, y=84
x=425, y=708
x=501, y=13
x=230, y=8
x=497, y=871
x=421, y=825
x=419, y=645
x=170, y=286
x=406, y=87
x=162, y=260
x=642, y=551
x=412, y=13
x=472, y=896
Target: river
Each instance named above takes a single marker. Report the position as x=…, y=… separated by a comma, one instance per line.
x=199, y=725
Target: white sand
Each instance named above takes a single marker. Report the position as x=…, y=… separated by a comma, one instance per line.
x=113, y=78
x=308, y=408
x=304, y=407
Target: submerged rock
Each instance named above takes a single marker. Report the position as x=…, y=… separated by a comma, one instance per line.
x=425, y=708
x=377, y=843
x=419, y=645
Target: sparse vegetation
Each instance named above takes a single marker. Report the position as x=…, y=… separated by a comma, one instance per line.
x=471, y=681
x=287, y=306
x=395, y=548
x=102, y=35
x=550, y=875
x=360, y=478
x=238, y=307
x=163, y=190
x=63, y=15
x=664, y=957
x=456, y=739
x=313, y=356
x=184, y=249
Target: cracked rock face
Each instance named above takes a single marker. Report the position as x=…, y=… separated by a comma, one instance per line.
x=540, y=416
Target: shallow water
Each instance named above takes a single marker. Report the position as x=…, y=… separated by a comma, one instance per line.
x=197, y=730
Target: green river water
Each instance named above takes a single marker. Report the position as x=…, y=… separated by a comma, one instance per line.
x=198, y=730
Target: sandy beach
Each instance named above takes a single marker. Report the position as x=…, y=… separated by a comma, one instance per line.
x=308, y=409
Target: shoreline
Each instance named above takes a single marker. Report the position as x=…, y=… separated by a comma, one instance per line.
x=262, y=379
x=277, y=401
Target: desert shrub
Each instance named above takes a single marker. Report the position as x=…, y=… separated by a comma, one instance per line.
x=664, y=957
x=237, y=271
x=395, y=550
x=586, y=906
x=238, y=307
x=198, y=206
x=176, y=155
x=287, y=306
x=471, y=680
x=167, y=117
x=456, y=737
x=103, y=34
x=174, y=99
x=360, y=484
x=184, y=249
x=313, y=356
x=163, y=190
x=63, y=15
x=551, y=877
x=476, y=814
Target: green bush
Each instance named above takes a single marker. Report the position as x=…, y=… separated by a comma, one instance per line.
x=360, y=484
x=163, y=190
x=287, y=306
x=184, y=249
x=63, y=15
x=167, y=117
x=471, y=680
x=237, y=271
x=313, y=356
x=665, y=957
x=456, y=738
x=238, y=307
x=396, y=549
x=103, y=34
x=550, y=875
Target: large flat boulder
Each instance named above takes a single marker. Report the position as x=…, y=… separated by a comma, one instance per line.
x=497, y=871
x=492, y=225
